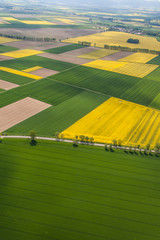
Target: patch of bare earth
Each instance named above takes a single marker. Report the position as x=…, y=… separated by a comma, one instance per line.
x=66, y=58
x=44, y=72
x=58, y=33
x=3, y=58
x=46, y=46
x=19, y=111
x=117, y=56
x=7, y=85
x=78, y=52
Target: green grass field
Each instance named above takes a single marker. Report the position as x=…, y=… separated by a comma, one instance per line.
x=155, y=61
x=154, y=75
x=58, y=118
x=102, y=81
x=14, y=78
x=55, y=191
x=4, y=49
x=63, y=49
x=28, y=62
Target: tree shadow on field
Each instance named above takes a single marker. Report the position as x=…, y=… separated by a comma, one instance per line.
x=33, y=142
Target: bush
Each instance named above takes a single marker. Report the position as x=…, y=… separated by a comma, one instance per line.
x=131, y=40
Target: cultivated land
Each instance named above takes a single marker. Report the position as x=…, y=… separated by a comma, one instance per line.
x=45, y=193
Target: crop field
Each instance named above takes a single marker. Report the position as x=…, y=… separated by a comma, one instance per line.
x=98, y=54
x=155, y=61
x=7, y=40
x=4, y=49
x=37, y=22
x=139, y=57
x=32, y=61
x=45, y=193
x=65, y=20
x=156, y=102
x=117, y=39
x=28, y=70
x=121, y=120
x=17, y=72
x=155, y=75
x=7, y=85
x=17, y=112
x=59, y=117
x=64, y=48
x=21, y=53
x=128, y=68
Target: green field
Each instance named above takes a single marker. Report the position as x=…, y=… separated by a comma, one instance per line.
x=44, y=90
x=4, y=49
x=14, y=78
x=102, y=81
x=32, y=61
x=58, y=118
x=63, y=49
x=55, y=191
x=155, y=61
x=155, y=75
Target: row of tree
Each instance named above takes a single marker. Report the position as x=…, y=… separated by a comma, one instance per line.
x=45, y=39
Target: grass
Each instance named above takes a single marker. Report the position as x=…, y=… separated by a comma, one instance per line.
x=32, y=61
x=102, y=81
x=63, y=49
x=154, y=75
x=155, y=61
x=4, y=49
x=44, y=90
x=156, y=102
x=55, y=190
x=14, y=78
x=58, y=118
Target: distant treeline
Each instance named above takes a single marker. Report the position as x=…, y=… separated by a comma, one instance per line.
x=46, y=39
x=127, y=49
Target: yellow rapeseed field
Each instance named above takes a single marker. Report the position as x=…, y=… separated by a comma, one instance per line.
x=117, y=39
x=37, y=22
x=10, y=70
x=105, y=65
x=10, y=19
x=139, y=57
x=96, y=54
x=64, y=20
x=21, y=53
x=6, y=40
x=32, y=69
x=132, y=69
x=131, y=123
x=136, y=69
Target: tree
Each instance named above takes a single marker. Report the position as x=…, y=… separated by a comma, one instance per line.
x=119, y=142
x=57, y=135
x=87, y=138
x=32, y=135
x=91, y=139
x=114, y=142
x=82, y=137
x=76, y=137
x=157, y=147
x=148, y=146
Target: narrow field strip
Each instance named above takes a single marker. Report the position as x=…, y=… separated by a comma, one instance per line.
x=139, y=57
x=21, y=53
x=32, y=69
x=98, y=54
x=7, y=40
x=24, y=74
x=19, y=111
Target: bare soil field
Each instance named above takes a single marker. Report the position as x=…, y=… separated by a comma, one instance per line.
x=58, y=33
x=66, y=58
x=45, y=46
x=117, y=56
x=3, y=58
x=7, y=85
x=19, y=111
x=43, y=72
x=78, y=52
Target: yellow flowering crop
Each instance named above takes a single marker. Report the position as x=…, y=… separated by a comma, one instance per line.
x=10, y=19
x=21, y=53
x=117, y=39
x=32, y=69
x=132, y=69
x=10, y=70
x=131, y=123
x=6, y=40
x=64, y=20
x=139, y=57
x=37, y=22
x=96, y=54
x=105, y=65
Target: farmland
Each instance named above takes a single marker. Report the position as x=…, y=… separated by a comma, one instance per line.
x=45, y=193
x=98, y=54
x=117, y=119
x=64, y=48
x=117, y=39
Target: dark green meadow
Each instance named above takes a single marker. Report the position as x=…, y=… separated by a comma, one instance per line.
x=55, y=191
x=4, y=49
x=63, y=49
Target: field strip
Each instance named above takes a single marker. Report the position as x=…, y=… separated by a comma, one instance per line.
x=21, y=53
x=97, y=54
x=19, y=111
x=139, y=57
x=32, y=69
x=7, y=40
x=10, y=70
x=7, y=85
